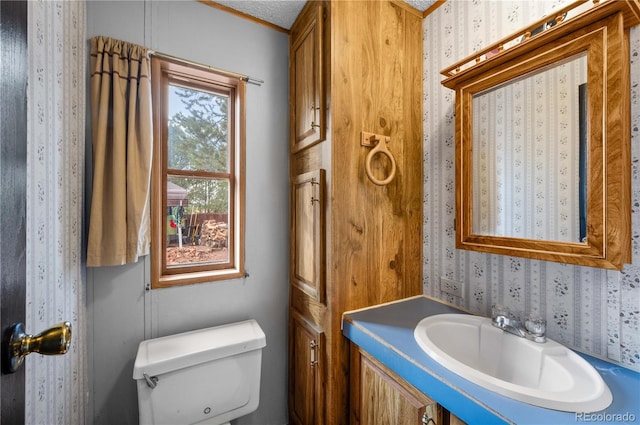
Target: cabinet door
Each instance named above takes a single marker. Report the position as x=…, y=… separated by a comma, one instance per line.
x=306, y=80
x=386, y=399
x=305, y=377
x=307, y=233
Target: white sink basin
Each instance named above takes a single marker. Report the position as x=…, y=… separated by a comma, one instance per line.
x=543, y=374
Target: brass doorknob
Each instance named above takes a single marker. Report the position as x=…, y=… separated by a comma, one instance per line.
x=53, y=341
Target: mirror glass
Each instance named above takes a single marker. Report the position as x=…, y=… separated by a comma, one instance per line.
x=529, y=155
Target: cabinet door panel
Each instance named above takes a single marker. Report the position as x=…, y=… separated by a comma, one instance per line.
x=306, y=81
x=307, y=233
x=305, y=390
x=385, y=399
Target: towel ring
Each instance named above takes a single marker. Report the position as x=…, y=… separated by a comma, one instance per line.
x=380, y=148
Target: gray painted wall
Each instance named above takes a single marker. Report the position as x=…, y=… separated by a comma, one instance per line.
x=120, y=312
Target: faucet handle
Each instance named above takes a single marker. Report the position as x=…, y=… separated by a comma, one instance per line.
x=535, y=325
x=499, y=310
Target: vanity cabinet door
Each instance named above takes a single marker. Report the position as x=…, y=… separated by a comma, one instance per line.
x=379, y=397
x=306, y=85
x=305, y=365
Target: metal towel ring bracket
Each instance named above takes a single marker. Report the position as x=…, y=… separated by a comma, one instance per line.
x=379, y=144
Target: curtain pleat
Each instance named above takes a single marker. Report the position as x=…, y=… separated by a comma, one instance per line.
x=122, y=148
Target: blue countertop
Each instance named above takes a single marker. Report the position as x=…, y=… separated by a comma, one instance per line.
x=386, y=332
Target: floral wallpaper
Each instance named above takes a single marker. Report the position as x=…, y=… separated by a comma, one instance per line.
x=520, y=138
x=594, y=310
x=56, y=388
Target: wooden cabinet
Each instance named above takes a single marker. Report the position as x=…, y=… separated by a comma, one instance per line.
x=354, y=67
x=307, y=233
x=379, y=397
x=305, y=389
x=306, y=85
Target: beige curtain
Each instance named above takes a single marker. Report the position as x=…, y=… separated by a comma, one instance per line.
x=122, y=147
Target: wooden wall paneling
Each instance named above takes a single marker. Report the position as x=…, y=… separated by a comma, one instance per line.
x=412, y=175
x=369, y=55
x=389, y=115
x=375, y=224
x=373, y=71
x=350, y=216
x=381, y=116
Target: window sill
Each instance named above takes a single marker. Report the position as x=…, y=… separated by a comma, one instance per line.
x=169, y=281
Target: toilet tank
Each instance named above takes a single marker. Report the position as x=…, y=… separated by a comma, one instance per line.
x=206, y=376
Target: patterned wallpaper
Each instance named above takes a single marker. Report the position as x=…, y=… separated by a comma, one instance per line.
x=56, y=387
x=593, y=310
x=521, y=137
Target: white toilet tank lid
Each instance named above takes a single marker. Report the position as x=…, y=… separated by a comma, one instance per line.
x=165, y=354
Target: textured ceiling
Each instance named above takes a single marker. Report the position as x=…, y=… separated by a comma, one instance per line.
x=421, y=5
x=283, y=12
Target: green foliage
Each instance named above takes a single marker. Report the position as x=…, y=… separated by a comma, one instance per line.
x=198, y=141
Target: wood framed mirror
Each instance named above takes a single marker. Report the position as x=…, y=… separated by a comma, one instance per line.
x=543, y=157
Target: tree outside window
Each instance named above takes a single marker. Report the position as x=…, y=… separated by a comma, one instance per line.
x=197, y=161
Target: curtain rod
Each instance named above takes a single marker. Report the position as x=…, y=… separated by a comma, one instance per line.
x=242, y=77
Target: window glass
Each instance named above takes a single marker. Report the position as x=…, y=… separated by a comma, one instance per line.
x=198, y=130
x=197, y=208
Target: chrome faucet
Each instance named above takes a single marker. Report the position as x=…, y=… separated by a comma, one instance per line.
x=534, y=327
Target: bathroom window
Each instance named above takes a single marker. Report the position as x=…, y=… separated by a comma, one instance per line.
x=197, y=185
